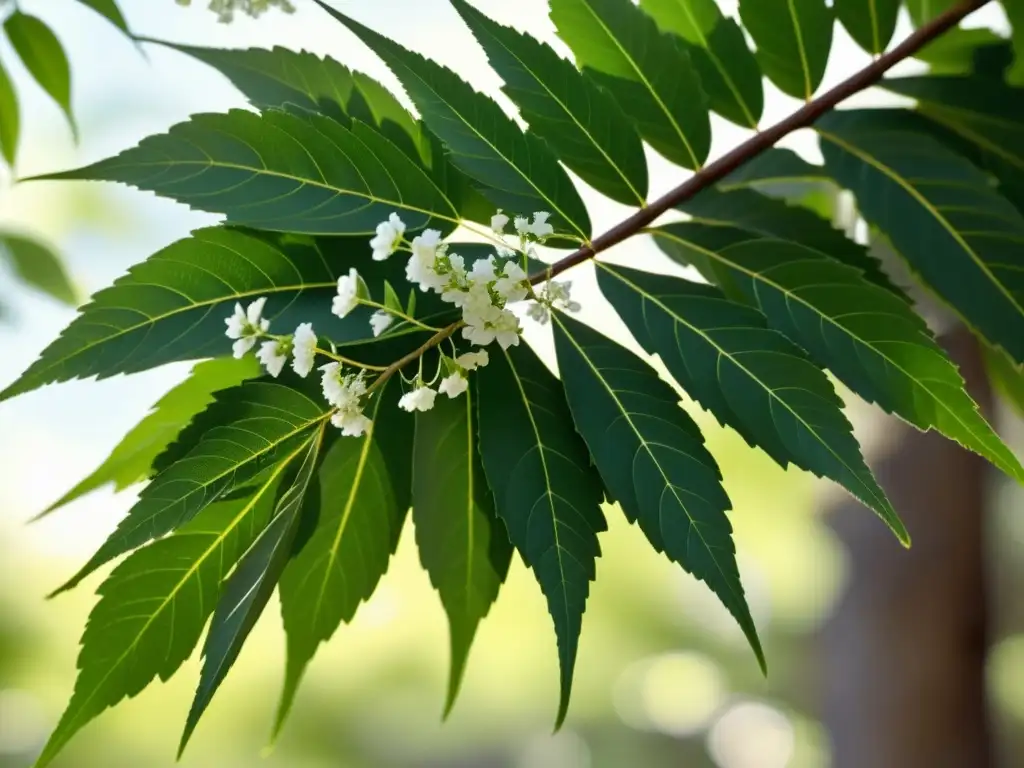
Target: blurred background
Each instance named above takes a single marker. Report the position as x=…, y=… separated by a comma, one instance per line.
x=878, y=657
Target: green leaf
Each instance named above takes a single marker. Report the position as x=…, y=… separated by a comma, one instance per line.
x=652, y=458
x=869, y=339
x=132, y=459
x=956, y=51
x=793, y=40
x=365, y=488
x=517, y=171
x=44, y=58
x=173, y=306
x=1008, y=378
x=10, y=118
x=754, y=212
x=923, y=11
x=249, y=587
x=729, y=73
x=281, y=172
x=1015, y=15
x=38, y=266
x=154, y=605
x=751, y=378
x=586, y=127
x=108, y=9
x=463, y=546
x=870, y=23
x=649, y=73
x=253, y=425
x=773, y=167
x=940, y=213
x=545, y=489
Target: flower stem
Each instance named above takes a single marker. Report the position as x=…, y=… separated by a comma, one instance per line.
x=348, y=361
x=417, y=353
x=399, y=315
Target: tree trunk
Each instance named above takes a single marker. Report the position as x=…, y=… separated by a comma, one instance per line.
x=903, y=660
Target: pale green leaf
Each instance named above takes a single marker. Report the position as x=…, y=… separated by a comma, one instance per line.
x=44, y=58
x=38, y=266
x=10, y=118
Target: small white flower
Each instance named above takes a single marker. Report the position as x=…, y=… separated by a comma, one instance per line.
x=483, y=271
x=422, y=267
x=419, y=399
x=348, y=294
x=457, y=267
x=539, y=312
x=513, y=285
x=388, y=237
x=425, y=245
x=303, y=349
x=246, y=326
x=540, y=227
x=522, y=225
x=352, y=423
x=274, y=354
x=507, y=329
x=453, y=385
x=470, y=361
x=380, y=321
x=342, y=391
x=480, y=334
x=498, y=222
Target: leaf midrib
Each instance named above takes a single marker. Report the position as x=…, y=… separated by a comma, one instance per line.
x=798, y=33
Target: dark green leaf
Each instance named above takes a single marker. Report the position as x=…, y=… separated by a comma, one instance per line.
x=751, y=378
x=282, y=172
x=652, y=458
x=37, y=266
x=109, y=10
x=955, y=52
x=365, y=487
x=869, y=22
x=10, y=118
x=649, y=73
x=940, y=213
x=1015, y=15
x=172, y=306
x=43, y=56
x=257, y=423
x=153, y=607
x=754, y=212
x=871, y=340
x=773, y=167
x=583, y=124
x=249, y=587
x=545, y=489
x=793, y=40
x=462, y=544
x=923, y=11
x=132, y=459
x=517, y=171
x=729, y=73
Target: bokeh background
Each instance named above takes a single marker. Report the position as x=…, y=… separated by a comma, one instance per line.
x=663, y=677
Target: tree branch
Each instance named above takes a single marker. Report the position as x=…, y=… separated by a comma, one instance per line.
x=760, y=142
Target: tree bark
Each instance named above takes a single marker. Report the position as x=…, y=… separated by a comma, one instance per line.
x=903, y=662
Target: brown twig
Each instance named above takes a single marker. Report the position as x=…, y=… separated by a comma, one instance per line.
x=755, y=145
x=403, y=361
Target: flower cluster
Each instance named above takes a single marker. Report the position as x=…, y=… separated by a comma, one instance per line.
x=482, y=290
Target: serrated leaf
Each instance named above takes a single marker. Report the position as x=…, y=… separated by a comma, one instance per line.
x=871, y=23
x=652, y=458
x=463, y=546
x=256, y=423
x=769, y=217
x=586, y=127
x=365, y=494
x=44, y=58
x=517, y=171
x=108, y=9
x=153, y=607
x=132, y=459
x=281, y=172
x=247, y=590
x=751, y=378
x=172, y=306
x=869, y=339
x=545, y=489
x=793, y=40
x=939, y=212
x=729, y=73
x=10, y=118
x=649, y=73
x=38, y=266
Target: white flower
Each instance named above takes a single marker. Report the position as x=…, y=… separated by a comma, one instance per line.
x=513, y=285
x=539, y=312
x=522, y=225
x=425, y=245
x=419, y=399
x=273, y=354
x=303, y=349
x=342, y=391
x=470, y=361
x=457, y=267
x=483, y=271
x=246, y=326
x=421, y=269
x=388, y=237
x=352, y=423
x=506, y=329
x=498, y=222
x=453, y=385
x=480, y=334
x=380, y=321
x=540, y=227
x=348, y=294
